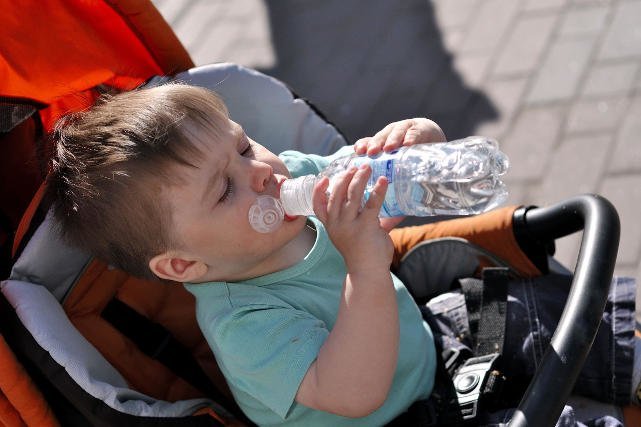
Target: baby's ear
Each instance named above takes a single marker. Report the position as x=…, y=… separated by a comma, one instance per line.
x=171, y=266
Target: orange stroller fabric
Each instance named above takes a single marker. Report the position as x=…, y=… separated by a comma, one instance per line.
x=491, y=230
x=55, y=51
x=21, y=404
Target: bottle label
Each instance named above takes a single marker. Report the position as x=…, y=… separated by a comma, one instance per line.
x=382, y=165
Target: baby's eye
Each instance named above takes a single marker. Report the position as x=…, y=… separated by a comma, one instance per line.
x=247, y=151
x=228, y=191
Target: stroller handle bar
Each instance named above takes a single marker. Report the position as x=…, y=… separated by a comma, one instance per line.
x=581, y=316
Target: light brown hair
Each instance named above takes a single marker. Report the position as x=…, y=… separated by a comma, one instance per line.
x=111, y=162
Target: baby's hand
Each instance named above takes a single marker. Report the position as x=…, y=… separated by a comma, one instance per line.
x=355, y=231
x=397, y=134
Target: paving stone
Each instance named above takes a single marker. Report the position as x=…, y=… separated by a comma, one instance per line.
x=593, y=2
x=584, y=21
x=624, y=35
x=411, y=85
x=536, y=5
x=562, y=69
x=505, y=95
x=213, y=47
x=453, y=39
x=424, y=70
x=579, y=164
x=489, y=26
x=361, y=98
x=252, y=54
x=243, y=8
x=454, y=13
x=172, y=11
x=472, y=67
x=455, y=89
x=595, y=115
x=529, y=144
x=628, y=270
x=312, y=31
x=527, y=41
x=627, y=152
x=226, y=42
x=396, y=48
x=625, y=194
x=310, y=34
x=518, y=193
x=197, y=22
x=419, y=14
x=608, y=79
x=449, y=95
x=567, y=250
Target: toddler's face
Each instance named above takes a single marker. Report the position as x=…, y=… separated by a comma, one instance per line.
x=210, y=211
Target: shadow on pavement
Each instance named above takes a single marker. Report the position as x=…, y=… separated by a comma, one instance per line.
x=365, y=64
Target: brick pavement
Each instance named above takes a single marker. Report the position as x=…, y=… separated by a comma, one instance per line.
x=557, y=82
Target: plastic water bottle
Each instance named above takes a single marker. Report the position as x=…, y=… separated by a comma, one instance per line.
x=459, y=177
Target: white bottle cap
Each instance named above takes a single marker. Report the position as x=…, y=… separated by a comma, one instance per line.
x=266, y=214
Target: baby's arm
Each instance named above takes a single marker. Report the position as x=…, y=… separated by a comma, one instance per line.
x=355, y=366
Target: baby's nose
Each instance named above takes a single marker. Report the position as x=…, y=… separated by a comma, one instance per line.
x=262, y=176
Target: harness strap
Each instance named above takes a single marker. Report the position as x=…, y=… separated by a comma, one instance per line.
x=473, y=292
x=486, y=302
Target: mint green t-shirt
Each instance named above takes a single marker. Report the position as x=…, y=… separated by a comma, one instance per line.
x=266, y=332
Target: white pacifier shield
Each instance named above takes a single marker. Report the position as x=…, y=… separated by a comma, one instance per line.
x=266, y=214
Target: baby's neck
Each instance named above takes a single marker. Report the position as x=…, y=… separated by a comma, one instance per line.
x=293, y=252
x=287, y=256
x=299, y=247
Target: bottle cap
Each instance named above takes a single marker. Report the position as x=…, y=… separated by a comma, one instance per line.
x=266, y=214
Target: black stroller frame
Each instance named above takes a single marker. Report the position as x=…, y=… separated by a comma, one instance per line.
x=581, y=316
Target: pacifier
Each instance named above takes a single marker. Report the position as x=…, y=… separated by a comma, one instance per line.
x=266, y=214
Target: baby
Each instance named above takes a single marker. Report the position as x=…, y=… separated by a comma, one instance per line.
x=307, y=323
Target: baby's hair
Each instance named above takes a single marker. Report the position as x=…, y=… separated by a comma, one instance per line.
x=111, y=162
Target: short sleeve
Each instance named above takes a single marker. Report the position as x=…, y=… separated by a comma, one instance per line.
x=300, y=164
x=266, y=350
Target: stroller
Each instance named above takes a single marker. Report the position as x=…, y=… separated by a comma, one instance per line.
x=85, y=344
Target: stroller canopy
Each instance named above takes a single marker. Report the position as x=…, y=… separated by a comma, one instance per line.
x=55, y=51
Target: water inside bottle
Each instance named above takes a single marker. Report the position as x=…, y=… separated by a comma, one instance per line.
x=444, y=180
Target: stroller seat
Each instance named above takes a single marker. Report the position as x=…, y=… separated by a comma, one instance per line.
x=72, y=296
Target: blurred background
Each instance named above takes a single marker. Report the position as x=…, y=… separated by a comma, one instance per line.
x=556, y=82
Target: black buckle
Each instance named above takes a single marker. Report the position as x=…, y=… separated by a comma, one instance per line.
x=476, y=378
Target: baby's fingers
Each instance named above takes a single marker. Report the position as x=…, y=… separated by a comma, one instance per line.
x=423, y=131
x=360, y=146
x=320, y=199
x=376, y=197
x=376, y=143
x=356, y=189
x=397, y=135
x=336, y=200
